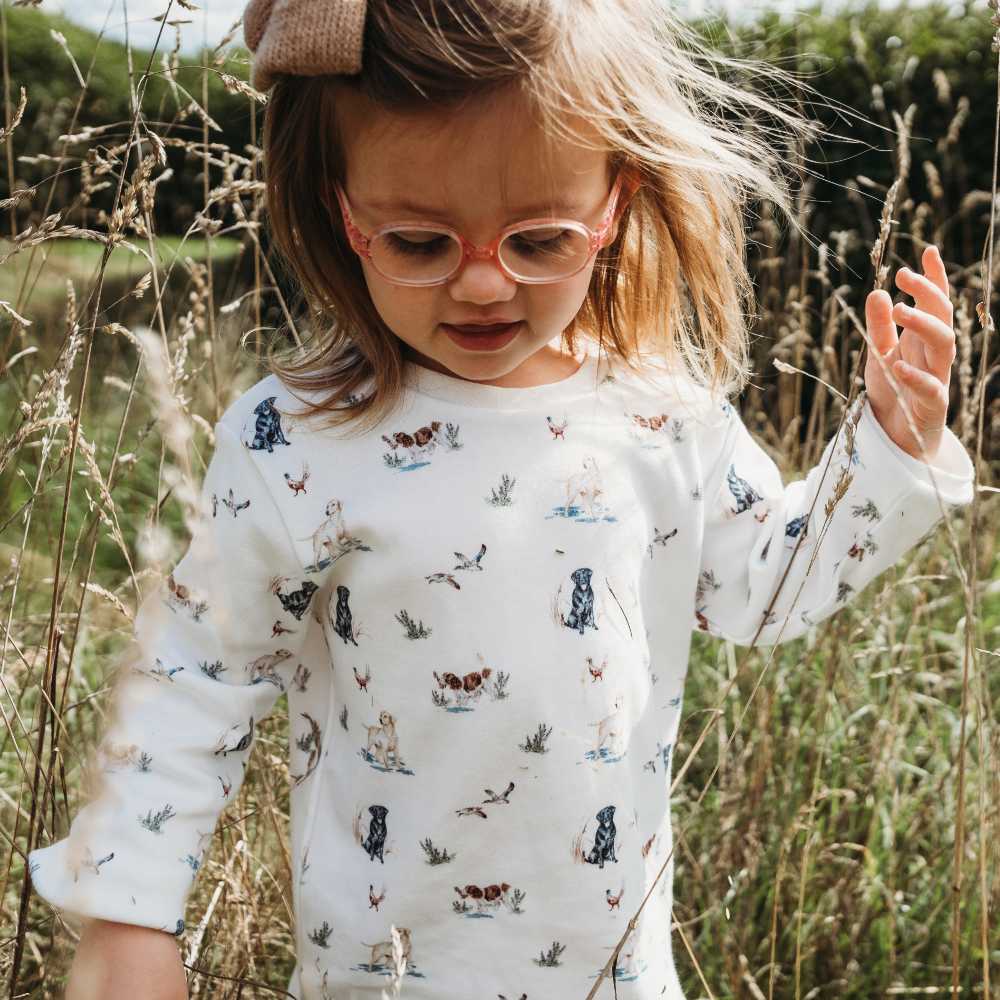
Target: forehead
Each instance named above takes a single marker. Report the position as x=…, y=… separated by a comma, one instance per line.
x=488, y=158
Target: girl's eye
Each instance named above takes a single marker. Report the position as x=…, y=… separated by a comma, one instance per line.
x=416, y=243
x=541, y=241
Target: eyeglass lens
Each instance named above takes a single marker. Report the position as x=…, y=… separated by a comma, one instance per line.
x=548, y=252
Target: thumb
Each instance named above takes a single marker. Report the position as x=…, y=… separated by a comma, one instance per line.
x=878, y=315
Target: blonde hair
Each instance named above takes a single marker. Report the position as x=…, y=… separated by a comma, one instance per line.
x=673, y=286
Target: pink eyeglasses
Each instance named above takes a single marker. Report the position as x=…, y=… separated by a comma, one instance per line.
x=535, y=251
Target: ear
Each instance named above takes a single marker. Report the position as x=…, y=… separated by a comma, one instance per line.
x=630, y=187
x=631, y=183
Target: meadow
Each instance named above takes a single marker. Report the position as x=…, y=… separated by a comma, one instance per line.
x=836, y=798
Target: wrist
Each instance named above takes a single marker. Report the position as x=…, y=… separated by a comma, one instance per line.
x=932, y=438
x=115, y=961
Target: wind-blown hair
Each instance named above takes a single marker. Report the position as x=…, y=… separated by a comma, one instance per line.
x=672, y=289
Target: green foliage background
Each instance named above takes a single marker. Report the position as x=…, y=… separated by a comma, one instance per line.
x=833, y=811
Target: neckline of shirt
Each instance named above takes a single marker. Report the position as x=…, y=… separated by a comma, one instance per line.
x=581, y=383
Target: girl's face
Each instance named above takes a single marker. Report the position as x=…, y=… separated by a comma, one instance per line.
x=478, y=171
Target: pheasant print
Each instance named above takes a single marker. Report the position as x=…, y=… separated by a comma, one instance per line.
x=298, y=486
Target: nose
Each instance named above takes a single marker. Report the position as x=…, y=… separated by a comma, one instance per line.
x=482, y=280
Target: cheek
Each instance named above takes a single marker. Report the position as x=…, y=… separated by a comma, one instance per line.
x=562, y=300
x=397, y=305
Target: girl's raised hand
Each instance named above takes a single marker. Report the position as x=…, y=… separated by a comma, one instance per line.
x=920, y=358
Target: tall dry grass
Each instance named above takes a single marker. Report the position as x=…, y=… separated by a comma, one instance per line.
x=835, y=798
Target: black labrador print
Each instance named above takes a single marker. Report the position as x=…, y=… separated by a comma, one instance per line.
x=374, y=843
x=582, y=602
x=342, y=621
x=604, y=839
x=267, y=429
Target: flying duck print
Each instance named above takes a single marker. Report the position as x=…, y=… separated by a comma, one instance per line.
x=746, y=496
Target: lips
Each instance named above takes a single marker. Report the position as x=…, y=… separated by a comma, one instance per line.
x=483, y=338
x=482, y=327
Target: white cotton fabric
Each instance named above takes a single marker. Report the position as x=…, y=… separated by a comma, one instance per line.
x=484, y=669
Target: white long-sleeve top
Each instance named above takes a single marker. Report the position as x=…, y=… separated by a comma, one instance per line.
x=481, y=613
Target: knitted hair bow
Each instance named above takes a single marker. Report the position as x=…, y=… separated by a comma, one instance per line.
x=303, y=37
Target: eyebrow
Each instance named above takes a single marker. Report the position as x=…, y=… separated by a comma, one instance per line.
x=558, y=206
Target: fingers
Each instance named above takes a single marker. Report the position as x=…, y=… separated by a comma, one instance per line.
x=878, y=315
x=934, y=268
x=931, y=394
x=931, y=320
x=930, y=290
x=937, y=337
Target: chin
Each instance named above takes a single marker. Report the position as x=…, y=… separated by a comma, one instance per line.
x=487, y=369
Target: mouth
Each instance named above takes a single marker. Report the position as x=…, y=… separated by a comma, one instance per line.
x=483, y=338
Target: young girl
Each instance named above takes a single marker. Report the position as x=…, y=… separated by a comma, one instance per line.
x=469, y=532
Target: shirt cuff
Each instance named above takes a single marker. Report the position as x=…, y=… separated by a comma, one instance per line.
x=77, y=890
x=952, y=468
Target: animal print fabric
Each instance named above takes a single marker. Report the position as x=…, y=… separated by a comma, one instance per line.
x=480, y=613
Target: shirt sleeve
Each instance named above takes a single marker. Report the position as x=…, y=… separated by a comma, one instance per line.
x=216, y=645
x=873, y=504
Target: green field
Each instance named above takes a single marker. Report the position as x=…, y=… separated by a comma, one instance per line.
x=54, y=263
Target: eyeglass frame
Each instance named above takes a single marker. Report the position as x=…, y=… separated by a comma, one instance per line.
x=361, y=243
